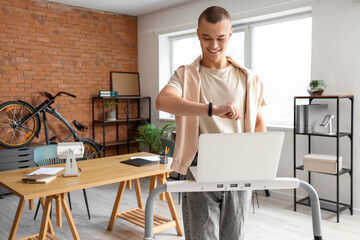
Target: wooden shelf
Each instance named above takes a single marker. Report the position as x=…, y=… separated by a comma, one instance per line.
x=137, y=217
x=327, y=96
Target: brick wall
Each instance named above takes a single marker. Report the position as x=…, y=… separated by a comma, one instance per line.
x=52, y=47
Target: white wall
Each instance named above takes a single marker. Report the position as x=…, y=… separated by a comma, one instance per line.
x=335, y=58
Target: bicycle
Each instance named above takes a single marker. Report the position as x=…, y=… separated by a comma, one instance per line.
x=20, y=122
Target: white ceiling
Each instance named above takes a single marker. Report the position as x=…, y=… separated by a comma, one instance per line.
x=127, y=7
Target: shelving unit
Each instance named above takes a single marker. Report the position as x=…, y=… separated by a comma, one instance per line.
x=328, y=205
x=127, y=118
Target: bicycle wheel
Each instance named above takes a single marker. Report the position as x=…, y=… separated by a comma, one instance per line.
x=90, y=150
x=12, y=114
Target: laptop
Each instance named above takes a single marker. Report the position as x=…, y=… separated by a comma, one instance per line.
x=224, y=157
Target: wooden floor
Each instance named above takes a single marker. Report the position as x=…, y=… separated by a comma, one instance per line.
x=274, y=220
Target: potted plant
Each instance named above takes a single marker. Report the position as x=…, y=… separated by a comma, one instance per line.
x=110, y=112
x=316, y=87
x=150, y=135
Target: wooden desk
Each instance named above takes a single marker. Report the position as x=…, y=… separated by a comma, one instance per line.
x=94, y=173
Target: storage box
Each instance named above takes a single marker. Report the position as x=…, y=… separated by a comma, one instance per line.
x=321, y=163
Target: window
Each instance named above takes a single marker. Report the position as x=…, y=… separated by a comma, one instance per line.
x=278, y=50
x=282, y=58
x=236, y=47
x=184, y=51
x=180, y=55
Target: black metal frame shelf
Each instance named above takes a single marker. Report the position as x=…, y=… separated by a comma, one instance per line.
x=110, y=144
x=123, y=120
x=341, y=172
x=127, y=120
x=326, y=205
x=341, y=134
x=336, y=206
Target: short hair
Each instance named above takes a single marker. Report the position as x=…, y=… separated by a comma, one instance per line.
x=214, y=15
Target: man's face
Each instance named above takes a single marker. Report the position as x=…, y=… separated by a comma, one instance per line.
x=214, y=39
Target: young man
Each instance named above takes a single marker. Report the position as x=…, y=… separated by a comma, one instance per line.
x=212, y=95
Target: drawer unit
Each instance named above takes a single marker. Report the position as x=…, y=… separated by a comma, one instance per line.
x=11, y=159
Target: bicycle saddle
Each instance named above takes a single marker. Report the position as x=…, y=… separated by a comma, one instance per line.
x=79, y=126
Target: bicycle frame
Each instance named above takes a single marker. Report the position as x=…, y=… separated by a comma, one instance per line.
x=56, y=114
x=46, y=108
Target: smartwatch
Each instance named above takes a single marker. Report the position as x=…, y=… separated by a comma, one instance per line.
x=210, y=109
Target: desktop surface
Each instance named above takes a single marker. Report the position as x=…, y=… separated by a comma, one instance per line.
x=95, y=172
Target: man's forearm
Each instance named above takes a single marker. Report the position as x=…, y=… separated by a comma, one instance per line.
x=170, y=101
x=260, y=125
x=181, y=107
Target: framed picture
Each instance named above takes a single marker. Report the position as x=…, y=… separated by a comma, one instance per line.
x=125, y=83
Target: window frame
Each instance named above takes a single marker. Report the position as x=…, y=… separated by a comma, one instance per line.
x=172, y=39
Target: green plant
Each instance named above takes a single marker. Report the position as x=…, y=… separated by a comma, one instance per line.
x=317, y=85
x=109, y=105
x=150, y=135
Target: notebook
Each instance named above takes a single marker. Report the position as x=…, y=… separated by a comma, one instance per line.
x=139, y=162
x=238, y=156
x=39, y=178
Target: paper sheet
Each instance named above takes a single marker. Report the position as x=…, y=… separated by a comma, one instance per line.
x=46, y=170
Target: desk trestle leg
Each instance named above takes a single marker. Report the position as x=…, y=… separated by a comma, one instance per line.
x=17, y=219
x=69, y=217
x=137, y=215
x=116, y=206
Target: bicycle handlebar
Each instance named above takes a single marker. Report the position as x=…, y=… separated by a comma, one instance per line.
x=51, y=97
x=69, y=94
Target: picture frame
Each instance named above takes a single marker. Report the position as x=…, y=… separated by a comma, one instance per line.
x=125, y=83
x=327, y=120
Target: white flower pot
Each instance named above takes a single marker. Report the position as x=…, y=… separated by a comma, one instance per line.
x=111, y=116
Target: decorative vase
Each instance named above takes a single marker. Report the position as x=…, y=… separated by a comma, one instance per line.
x=111, y=116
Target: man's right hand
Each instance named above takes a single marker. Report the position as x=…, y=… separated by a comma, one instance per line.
x=228, y=110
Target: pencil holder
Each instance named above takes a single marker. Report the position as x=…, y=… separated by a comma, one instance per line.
x=163, y=158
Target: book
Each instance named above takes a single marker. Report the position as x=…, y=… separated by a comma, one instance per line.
x=300, y=119
x=108, y=94
x=40, y=178
x=139, y=162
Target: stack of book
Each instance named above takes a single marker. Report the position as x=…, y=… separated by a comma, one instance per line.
x=108, y=94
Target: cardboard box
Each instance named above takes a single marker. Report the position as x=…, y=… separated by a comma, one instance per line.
x=321, y=163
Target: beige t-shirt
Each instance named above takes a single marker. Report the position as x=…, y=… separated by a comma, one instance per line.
x=219, y=86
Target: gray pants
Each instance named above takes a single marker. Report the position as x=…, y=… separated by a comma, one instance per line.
x=215, y=215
